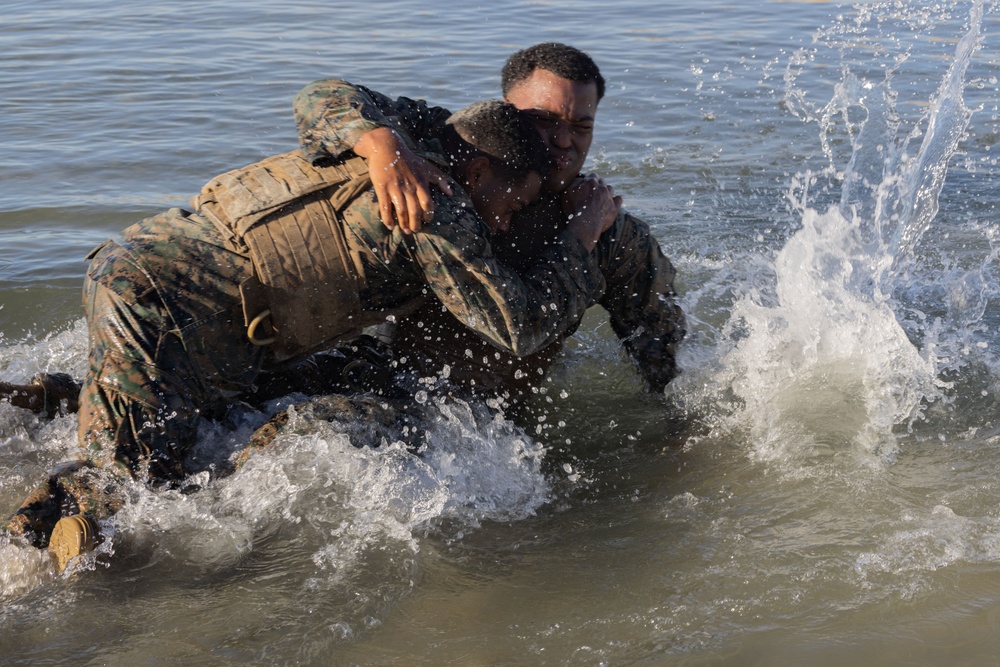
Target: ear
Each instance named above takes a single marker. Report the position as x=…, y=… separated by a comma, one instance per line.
x=476, y=171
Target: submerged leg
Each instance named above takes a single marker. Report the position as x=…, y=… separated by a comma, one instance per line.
x=63, y=512
x=367, y=420
x=49, y=393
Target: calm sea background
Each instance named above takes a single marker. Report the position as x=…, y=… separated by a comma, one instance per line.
x=820, y=486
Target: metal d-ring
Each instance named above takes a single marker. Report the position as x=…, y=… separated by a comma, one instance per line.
x=252, y=329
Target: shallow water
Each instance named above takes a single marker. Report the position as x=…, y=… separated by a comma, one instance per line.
x=819, y=486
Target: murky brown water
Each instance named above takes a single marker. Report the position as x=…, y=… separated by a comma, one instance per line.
x=820, y=487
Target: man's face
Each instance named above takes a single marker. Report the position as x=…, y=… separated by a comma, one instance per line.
x=563, y=111
x=497, y=199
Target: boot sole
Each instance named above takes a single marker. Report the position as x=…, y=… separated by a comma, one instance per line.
x=72, y=536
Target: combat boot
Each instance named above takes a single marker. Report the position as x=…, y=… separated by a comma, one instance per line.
x=62, y=513
x=72, y=536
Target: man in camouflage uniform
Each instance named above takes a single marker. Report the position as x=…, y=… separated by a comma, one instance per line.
x=559, y=87
x=168, y=313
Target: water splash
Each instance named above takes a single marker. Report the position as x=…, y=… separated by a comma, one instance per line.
x=829, y=356
x=22, y=568
x=327, y=498
x=889, y=196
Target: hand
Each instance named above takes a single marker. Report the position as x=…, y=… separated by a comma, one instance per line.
x=402, y=180
x=592, y=206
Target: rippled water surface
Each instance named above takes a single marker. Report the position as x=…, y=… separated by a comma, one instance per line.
x=819, y=486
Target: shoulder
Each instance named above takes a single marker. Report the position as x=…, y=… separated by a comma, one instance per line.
x=626, y=221
x=629, y=234
x=456, y=230
x=456, y=210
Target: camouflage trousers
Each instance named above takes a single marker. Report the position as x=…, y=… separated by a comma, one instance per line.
x=83, y=488
x=149, y=380
x=168, y=347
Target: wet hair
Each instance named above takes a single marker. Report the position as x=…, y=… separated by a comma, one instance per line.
x=500, y=132
x=564, y=61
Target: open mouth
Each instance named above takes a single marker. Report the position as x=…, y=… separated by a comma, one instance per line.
x=562, y=161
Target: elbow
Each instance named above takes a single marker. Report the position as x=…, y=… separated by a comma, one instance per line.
x=320, y=87
x=523, y=346
x=520, y=348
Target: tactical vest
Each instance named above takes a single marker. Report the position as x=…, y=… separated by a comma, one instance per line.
x=284, y=214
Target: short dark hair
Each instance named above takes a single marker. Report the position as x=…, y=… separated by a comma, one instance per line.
x=503, y=134
x=560, y=59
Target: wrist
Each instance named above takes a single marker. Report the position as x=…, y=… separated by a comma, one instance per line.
x=583, y=235
x=379, y=141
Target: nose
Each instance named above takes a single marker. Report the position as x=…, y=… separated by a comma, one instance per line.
x=561, y=136
x=499, y=224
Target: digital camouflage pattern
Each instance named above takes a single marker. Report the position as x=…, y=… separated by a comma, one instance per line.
x=366, y=419
x=168, y=342
x=639, y=297
x=332, y=115
x=164, y=314
x=639, y=300
x=168, y=338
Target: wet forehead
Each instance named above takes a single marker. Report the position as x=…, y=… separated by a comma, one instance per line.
x=546, y=92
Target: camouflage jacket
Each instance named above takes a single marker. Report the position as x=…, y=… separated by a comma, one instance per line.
x=197, y=274
x=639, y=297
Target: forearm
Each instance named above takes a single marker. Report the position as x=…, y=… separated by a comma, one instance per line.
x=558, y=290
x=332, y=115
x=641, y=301
x=518, y=313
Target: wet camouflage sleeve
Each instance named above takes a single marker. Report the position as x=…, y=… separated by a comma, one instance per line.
x=454, y=258
x=331, y=115
x=517, y=313
x=639, y=296
x=640, y=299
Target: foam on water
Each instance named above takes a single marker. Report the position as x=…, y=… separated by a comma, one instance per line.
x=842, y=366
x=822, y=350
x=64, y=351
x=32, y=445
x=344, y=500
x=854, y=365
